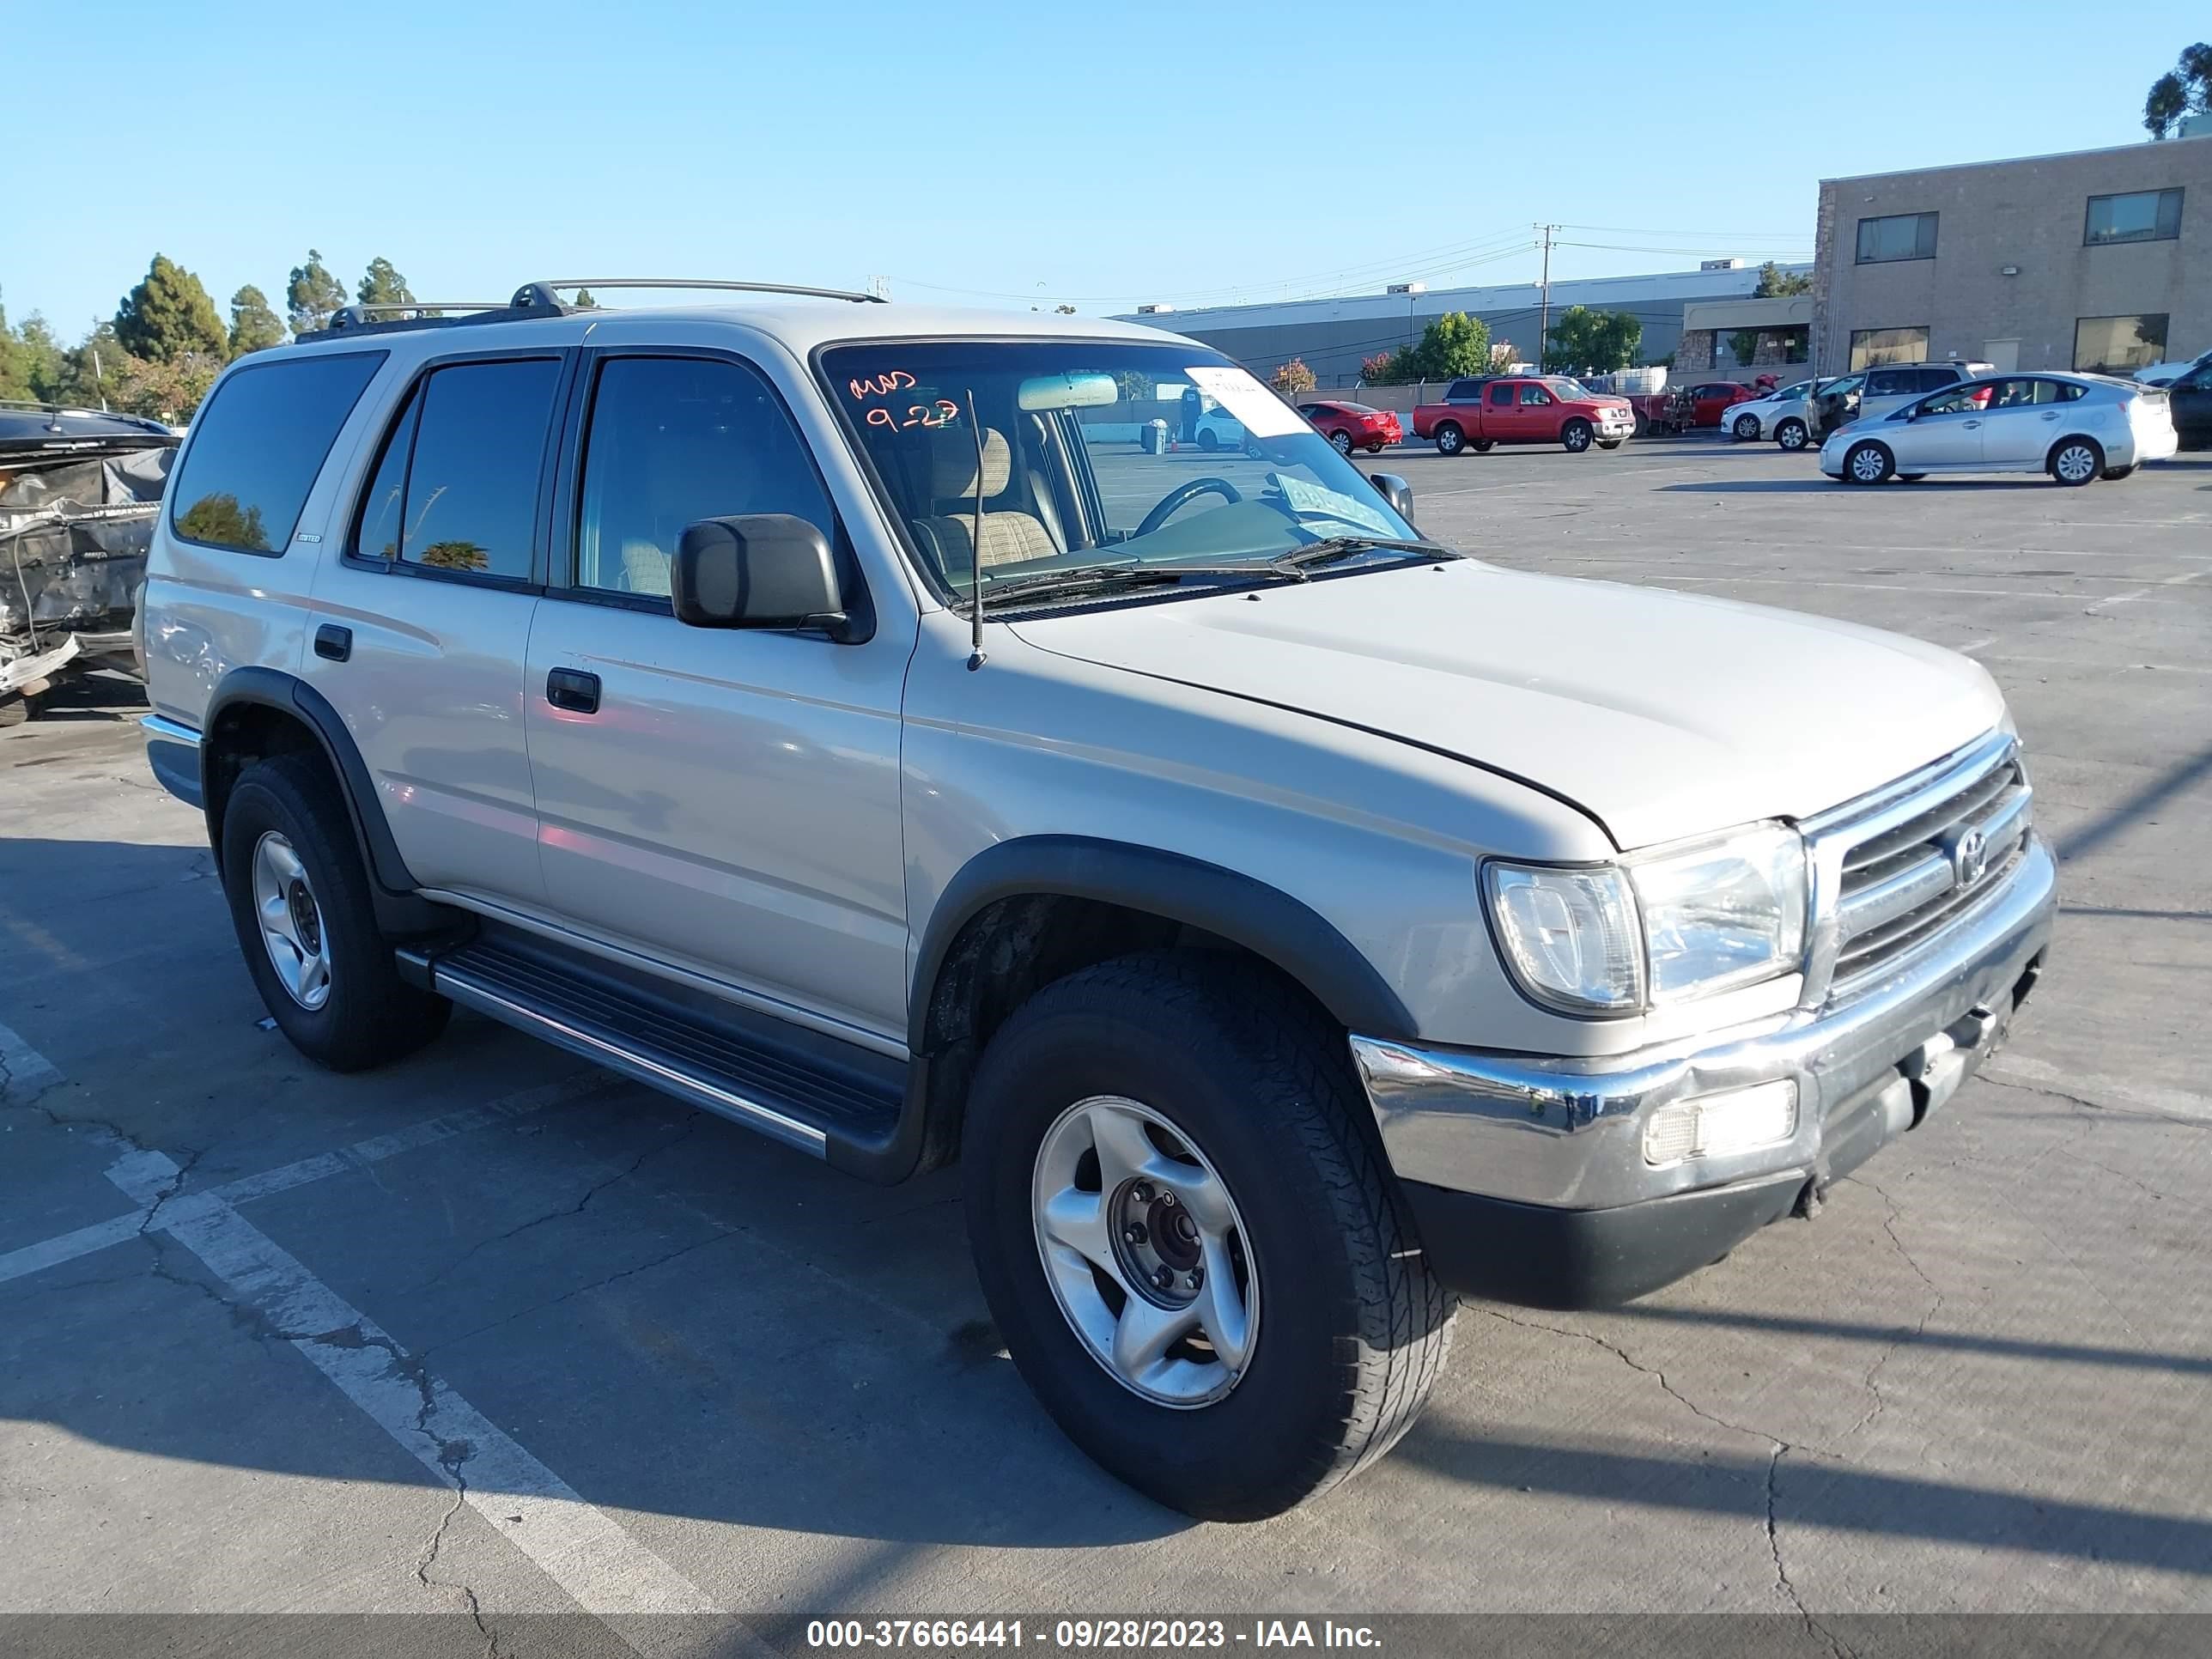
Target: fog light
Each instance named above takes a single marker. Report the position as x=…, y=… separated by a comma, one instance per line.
x=1713, y=1126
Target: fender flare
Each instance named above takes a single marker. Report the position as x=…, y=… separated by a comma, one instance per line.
x=1235, y=907
x=272, y=688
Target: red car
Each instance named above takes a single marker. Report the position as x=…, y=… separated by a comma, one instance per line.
x=1354, y=426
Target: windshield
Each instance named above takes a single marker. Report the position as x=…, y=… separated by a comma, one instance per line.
x=1562, y=387
x=1092, y=453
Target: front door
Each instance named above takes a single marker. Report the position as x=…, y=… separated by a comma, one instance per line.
x=729, y=801
x=1945, y=432
x=433, y=600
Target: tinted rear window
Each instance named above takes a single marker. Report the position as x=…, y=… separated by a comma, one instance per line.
x=257, y=445
x=472, y=480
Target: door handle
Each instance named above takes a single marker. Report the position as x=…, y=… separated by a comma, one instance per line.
x=1969, y=425
x=573, y=690
x=2050, y=414
x=334, y=642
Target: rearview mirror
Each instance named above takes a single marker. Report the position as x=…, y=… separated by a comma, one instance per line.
x=758, y=570
x=1394, y=490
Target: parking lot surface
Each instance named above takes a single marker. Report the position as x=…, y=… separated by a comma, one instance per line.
x=490, y=1333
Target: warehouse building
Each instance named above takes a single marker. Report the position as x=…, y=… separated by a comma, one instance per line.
x=1334, y=336
x=2099, y=259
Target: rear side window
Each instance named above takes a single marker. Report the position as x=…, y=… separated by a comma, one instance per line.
x=456, y=486
x=1501, y=395
x=1935, y=380
x=257, y=445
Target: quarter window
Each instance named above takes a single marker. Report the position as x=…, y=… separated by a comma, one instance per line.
x=1897, y=236
x=2103, y=344
x=259, y=444
x=675, y=440
x=1871, y=347
x=2142, y=216
x=470, y=501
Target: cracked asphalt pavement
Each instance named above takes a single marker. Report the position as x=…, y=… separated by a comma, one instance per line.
x=428, y=1339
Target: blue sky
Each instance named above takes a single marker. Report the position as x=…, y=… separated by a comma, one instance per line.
x=995, y=155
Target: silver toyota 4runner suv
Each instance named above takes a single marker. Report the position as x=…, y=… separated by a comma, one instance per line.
x=853, y=720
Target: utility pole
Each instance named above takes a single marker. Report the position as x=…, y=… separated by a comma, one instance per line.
x=1544, y=321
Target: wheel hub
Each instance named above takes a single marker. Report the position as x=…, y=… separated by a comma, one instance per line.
x=291, y=921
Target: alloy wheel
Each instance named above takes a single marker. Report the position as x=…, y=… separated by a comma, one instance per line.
x=291, y=921
x=1144, y=1252
x=2075, y=463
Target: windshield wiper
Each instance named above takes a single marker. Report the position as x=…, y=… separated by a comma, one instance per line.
x=1102, y=578
x=1343, y=547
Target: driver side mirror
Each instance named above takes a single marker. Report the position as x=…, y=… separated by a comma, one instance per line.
x=1394, y=490
x=758, y=570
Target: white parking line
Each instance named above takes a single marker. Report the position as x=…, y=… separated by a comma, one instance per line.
x=607, y=1572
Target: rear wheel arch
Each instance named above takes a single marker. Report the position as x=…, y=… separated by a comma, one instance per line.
x=1026, y=913
x=259, y=712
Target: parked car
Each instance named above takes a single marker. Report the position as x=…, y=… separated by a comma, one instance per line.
x=1684, y=408
x=1218, y=429
x=1750, y=422
x=787, y=707
x=2077, y=428
x=1878, y=390
x=2190, y=398
x=2167, y=373
x=1354, y=426
x=1523, y=409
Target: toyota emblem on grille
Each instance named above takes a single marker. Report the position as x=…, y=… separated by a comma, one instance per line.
x=1970, y=857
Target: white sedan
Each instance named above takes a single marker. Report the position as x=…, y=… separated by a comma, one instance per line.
x=1218, y=429
x=2077, y=428
x=1765, y=417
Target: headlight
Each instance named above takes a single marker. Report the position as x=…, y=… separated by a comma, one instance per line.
x=1684, y=921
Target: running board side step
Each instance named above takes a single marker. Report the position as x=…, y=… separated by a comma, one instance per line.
x=813, y=1093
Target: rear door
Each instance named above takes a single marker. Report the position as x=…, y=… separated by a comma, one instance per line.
x=1888, y=389
x=2023, y=418
x=1501, y=412
x=728, y=803
x=422, y=623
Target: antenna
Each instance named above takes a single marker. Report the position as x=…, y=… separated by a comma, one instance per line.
x=976, y=656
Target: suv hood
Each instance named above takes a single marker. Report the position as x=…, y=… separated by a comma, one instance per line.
x=1661, y=714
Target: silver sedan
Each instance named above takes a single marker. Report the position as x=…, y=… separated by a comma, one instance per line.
x=2077, y=428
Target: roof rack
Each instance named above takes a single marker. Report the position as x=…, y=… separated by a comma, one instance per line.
x=543, y=300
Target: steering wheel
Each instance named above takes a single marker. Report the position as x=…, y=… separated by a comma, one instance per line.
x=1173, y=501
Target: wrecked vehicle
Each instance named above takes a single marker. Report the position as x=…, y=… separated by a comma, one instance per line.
x=78, y=492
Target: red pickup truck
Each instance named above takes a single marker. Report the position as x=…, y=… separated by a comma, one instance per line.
x=1523, y=409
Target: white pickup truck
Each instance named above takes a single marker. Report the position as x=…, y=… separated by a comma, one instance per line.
x=1287, y=921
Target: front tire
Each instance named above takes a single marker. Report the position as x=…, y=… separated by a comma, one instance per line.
x=2076, y=461
x=1791, y=435
x=299, y=900
x=1869, y=463
x=1575, y=436
x=1746, y=428
x=1104, y=1097
x=1449, y=439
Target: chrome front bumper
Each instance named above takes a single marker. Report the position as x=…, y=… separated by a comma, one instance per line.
x=1569, y=1134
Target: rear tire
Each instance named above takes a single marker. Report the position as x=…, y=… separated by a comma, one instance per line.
x=1449, y=439
x=14, y=709
x=1575, y=436
x=284, y=812
x=2076, y=461
x=1347, y=1329
x=1791, y=435
x=1208, y=441
x=1340, y=442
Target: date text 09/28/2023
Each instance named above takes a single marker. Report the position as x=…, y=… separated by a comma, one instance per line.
x=1085, y=1635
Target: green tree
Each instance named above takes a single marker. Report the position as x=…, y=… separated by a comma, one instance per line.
x=253, y=326
x=169, y=315
x=381, y=284
x=314, y=295
x=2183, y=90
x=583, y=301
x=1293, y=378
x=1453, y=345
x=1775, y=283
x=1596, y=342
x=219, y=518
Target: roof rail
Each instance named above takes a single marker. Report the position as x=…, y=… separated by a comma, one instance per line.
x=540, y=294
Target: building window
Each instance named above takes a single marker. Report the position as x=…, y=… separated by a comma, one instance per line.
x=2142, y=216
x=1898, y=236
x=1872, y=347
x=2118, y=344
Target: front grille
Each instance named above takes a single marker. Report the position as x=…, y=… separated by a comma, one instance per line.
x=1914, y=865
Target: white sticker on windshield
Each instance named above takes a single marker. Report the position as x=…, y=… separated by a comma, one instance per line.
x=1315, y=501
x=1260, y=411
